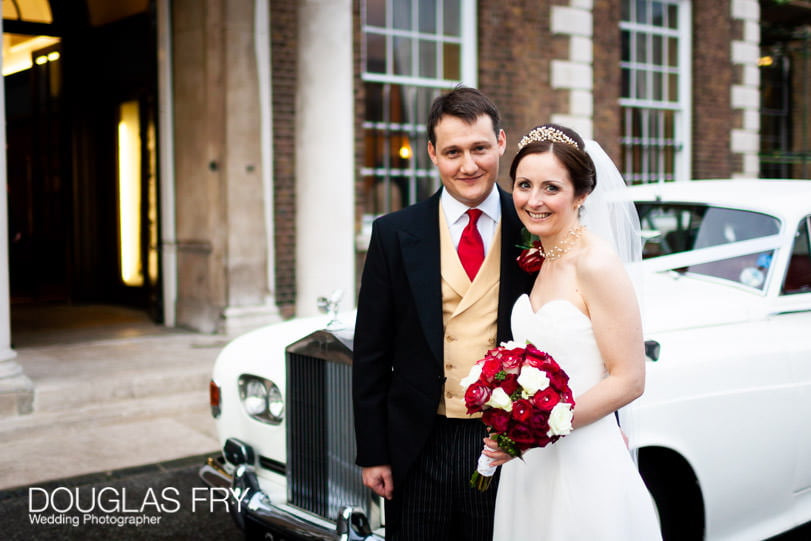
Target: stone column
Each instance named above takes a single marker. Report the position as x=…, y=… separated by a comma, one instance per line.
x=745, y=93
x=16, y=390
x=325, y=213
x=221, y=225
x=575, y=73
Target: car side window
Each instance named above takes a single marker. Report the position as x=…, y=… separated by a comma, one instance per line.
x=798, y=272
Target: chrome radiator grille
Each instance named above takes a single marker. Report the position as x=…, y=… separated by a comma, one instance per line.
x=321, y=473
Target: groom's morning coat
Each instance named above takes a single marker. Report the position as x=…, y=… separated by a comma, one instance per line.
x=398, y=349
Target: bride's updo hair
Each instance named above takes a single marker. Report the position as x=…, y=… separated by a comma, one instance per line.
x=567, y=146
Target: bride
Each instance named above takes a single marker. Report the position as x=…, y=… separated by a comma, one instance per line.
x=583, y=311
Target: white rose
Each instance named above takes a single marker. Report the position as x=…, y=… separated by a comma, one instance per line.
x=501, y=400
x=532, y=380
x=472, y=376
x=512, y=344
x=560, y=420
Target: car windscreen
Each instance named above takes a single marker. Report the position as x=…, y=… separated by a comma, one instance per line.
x=671, y=228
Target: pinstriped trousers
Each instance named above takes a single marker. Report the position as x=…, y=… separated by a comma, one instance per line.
x=436, y=502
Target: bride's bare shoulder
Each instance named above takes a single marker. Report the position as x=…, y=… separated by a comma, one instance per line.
x=597, y=257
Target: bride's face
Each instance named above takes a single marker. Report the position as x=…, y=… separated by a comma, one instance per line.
x=543, y=194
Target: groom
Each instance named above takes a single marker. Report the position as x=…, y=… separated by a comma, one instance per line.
x=436, y=293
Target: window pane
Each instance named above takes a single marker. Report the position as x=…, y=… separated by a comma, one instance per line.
x=642, y=84
x=657, y=86
x=375, y=53
x=642, y=11
x=626, y=83
x=402, y=56
x=656, y=52
x=657, y=13
x=376, y=12
x=625, y=45
x=672, y=52
x=452, y=61
x=672, y=16
x=451, y=15
x=402, y=14
x=374, y=102
x=427, y=16
x=427, y=65
x=798, y=273
x=642, y=48
x=673, y=87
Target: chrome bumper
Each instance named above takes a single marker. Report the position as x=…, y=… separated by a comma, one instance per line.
x=256, y=515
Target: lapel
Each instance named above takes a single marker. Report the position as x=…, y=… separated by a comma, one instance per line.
x=419, y=245
x=514, y=281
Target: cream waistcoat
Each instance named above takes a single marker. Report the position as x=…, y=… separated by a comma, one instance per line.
x=469, y=315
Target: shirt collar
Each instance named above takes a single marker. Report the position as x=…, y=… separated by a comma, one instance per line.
x=454, y=209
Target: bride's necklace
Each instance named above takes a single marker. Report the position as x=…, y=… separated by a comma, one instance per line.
x=559, y=250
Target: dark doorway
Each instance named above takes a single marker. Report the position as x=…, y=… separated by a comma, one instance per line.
x=82, y=161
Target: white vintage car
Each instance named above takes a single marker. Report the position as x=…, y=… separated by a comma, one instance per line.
x=726, y=299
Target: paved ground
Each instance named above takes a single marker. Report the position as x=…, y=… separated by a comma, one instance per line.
x=109, y=393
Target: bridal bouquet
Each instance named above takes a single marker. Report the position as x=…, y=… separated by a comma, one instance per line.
x=524, y=398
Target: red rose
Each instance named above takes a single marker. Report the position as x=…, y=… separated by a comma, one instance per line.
x=537, y=358
x=476, y=395
x=522, y=409
x=538, y=424
x=558, y=379
x=530, y=259
x=510, y=384
x=497, y=419
x=566, y=396
x=490, y=368
x=512, y=360
x=521, y=435
x=546, y=399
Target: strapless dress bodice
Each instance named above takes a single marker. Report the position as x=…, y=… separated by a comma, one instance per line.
x=565, y=333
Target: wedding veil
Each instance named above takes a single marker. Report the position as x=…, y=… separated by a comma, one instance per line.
x=610, y=213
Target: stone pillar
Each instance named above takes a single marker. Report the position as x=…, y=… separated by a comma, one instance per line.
x=221, y=225
x=16, y=390
x=325, y=214
x=575, y=73
x=745, y=93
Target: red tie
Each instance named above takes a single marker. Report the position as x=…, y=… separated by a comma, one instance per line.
x=471, y=247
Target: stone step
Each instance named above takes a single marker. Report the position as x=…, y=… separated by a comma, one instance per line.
x=104, y=437
x=110, y=388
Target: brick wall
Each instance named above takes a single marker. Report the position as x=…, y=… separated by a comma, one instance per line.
x=712, y=80
x=284, y=23
x=607, y=84
x=515, y=51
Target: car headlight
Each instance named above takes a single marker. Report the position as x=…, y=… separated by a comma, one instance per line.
x=261, y=399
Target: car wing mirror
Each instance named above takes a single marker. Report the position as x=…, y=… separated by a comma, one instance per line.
x=652, y=350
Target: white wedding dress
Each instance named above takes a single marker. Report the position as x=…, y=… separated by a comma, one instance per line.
x=585, y=486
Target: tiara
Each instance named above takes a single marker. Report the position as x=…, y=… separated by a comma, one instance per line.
x=546, y=133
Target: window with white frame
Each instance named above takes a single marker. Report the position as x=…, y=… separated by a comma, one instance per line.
x=655, y=99
x=411, y=51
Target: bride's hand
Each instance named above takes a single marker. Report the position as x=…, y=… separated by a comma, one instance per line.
x=494, y=452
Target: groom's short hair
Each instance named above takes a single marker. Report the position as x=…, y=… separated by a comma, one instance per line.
x=462, y=102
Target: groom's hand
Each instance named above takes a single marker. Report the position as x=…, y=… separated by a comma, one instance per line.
x=379, y=479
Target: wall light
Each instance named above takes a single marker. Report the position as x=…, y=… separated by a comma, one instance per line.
x=129, y=194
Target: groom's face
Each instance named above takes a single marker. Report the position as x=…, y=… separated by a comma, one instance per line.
x=467, y=155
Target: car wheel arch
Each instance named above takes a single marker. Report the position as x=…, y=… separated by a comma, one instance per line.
x=676, y=491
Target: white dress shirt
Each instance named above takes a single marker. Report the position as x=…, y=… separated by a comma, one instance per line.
x=457, y=219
